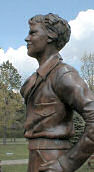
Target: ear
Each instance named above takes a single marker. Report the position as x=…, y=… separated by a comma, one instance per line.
x=49, y=40
x=51, y=36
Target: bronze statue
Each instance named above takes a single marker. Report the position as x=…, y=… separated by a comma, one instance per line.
x=51, y=94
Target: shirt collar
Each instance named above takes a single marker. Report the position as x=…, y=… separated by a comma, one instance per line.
x=46, y=67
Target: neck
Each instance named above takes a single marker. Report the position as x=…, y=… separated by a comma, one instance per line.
x=44, y=56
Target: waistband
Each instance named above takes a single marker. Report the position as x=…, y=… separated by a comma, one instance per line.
x=43, y=143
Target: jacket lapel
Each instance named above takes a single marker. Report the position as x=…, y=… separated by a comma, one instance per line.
x=43, y=71
x=46, y=68
x=41, y=74
x=28, y=85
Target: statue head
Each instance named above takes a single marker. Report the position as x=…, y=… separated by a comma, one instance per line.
x=58, y=29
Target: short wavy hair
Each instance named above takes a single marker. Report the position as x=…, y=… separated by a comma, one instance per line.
x=56, y=25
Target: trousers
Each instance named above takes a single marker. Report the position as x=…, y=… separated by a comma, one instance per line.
x=38, y=157
x=45, y=150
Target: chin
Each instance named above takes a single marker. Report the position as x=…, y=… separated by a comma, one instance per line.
x=29, y=53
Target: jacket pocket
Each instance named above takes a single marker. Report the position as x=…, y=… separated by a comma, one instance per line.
x=45, y=109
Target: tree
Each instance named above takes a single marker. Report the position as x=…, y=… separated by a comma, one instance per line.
x=87, y=69
x=17, y=119
x=10, y=76
x=10, y=82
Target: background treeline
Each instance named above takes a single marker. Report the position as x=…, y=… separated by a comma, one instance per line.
x=12, y=108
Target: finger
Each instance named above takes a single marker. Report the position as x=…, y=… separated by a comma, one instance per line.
x=43, y=169
x=46, y=164
x=46, y=169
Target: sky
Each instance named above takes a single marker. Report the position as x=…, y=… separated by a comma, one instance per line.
x=14, y=28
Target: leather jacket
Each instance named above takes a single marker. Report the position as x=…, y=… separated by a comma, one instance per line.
x=51, y=94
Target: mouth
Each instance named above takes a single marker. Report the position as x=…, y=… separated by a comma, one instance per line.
x=29, y=45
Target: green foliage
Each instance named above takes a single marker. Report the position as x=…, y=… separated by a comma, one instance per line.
x=9, y=76
x=11, y=103
x=79, y=126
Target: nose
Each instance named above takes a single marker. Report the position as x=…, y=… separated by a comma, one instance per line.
x=27, y=38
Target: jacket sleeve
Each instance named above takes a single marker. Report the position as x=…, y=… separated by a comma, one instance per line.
x=72, y=90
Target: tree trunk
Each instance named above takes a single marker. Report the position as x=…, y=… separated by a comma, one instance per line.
x=4, y=136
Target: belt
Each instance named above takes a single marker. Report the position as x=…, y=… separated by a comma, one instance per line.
x=43, y=143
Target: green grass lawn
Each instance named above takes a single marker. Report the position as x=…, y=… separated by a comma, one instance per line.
x=19, y=150
x=13, y=151
x=14, y=168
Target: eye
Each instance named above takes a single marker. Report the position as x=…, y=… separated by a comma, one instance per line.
x=32, y=33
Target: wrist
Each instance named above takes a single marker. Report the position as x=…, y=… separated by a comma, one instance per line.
x=65, y=165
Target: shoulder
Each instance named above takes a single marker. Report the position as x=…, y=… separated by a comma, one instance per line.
x=64, y=70
x=65, y=76
x=68, y=78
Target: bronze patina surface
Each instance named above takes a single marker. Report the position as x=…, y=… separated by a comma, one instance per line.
x=51, y=94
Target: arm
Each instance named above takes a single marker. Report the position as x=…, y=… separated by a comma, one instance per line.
x=73, y=91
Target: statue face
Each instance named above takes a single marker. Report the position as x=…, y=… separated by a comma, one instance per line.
x=36, y=40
